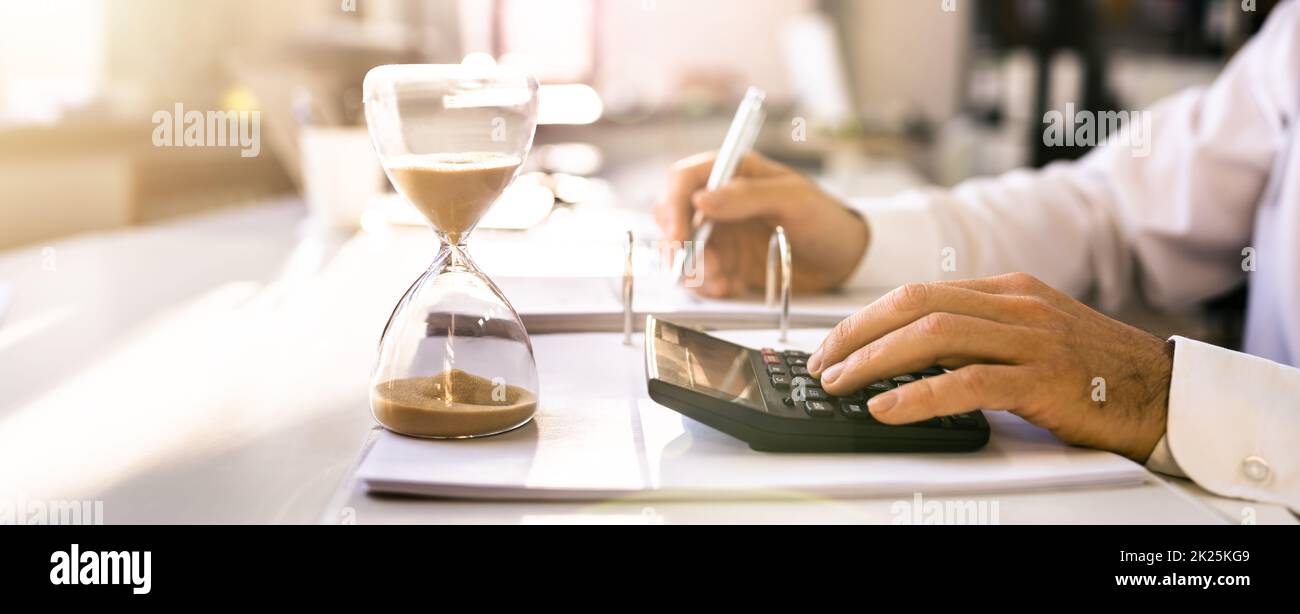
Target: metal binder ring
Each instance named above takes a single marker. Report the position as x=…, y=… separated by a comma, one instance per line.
x=778, y=251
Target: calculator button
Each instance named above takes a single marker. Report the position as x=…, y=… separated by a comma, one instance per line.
x=797, y=362
x=768, y=352
x=931, y=372
x=855, y=411
x=795, y=354
x=771, y=359
x=819, y=409
x=777, y=369
x=815, y=394
x=880, y=386
x=797, y=370
x=855, y=397
x=905, y=379
x=807, y=389
x=780, y=380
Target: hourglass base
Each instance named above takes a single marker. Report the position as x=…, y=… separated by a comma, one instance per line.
x=457, y=437
x=451, y=405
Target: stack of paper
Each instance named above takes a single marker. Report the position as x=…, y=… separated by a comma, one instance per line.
x=599, y=436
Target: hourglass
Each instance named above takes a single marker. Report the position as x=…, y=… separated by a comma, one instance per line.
x=454, y=360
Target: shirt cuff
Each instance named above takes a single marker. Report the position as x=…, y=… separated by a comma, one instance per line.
x=1162, y=459
x=905, y=244
x=1233, y=423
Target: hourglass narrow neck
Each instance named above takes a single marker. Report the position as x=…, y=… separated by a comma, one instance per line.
x=453, y=257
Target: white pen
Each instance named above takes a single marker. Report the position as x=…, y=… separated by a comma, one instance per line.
x=740, y=139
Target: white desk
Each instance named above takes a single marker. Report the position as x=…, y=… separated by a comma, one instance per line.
x=215, y=370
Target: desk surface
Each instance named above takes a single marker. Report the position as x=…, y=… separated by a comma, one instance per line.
x=214, y=370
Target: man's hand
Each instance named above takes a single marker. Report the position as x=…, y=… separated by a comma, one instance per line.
x=1014, y=344
x=827, y=239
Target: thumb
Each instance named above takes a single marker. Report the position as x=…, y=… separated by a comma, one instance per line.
x=744, y=198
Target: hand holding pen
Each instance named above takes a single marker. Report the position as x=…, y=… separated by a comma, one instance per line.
x=740, y=138
x=827, y=239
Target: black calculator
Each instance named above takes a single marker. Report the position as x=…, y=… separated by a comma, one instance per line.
x=767, y=399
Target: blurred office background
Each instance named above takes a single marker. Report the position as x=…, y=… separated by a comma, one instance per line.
x=871, y=95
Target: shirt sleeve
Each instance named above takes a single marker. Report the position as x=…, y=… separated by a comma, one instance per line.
x=905, y=245
x=1233, y=425
x=1162, y=460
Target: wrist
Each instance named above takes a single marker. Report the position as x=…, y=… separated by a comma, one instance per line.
x=850, y=237
x=829, y=240
x=1153, y=414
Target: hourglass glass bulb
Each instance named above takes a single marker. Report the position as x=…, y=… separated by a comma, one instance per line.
x=454, y=359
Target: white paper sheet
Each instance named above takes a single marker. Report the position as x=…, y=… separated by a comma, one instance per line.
x=599, y=436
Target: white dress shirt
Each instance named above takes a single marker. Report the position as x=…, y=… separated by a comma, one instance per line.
x=1221, y=176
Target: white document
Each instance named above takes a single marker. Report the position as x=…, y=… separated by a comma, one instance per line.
x=594, y=304
x=599, y=436
x=610, y=448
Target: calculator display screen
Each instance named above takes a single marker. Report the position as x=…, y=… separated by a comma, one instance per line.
x=692, y=359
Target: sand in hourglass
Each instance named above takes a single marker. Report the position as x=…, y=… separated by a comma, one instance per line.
x=453, y=191
x=451, y=404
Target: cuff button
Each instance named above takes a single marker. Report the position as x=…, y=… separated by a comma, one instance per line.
x=1256, y=469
